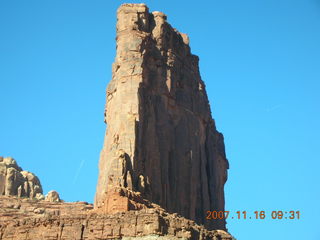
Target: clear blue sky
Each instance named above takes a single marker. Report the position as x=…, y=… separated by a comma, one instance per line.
x=260, y=60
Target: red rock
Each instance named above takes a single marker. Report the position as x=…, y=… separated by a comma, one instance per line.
x=163, y=163
x=161, y=139
x=43, y=220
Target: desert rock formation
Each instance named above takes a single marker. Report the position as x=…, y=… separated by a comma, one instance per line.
x=26, y=219
x=53, y=196
x=163, y=162
x=16, y=182
x=161, y=139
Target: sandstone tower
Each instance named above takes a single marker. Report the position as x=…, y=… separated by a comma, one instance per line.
x=161, y=139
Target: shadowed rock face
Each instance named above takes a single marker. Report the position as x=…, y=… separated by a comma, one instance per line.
x=161, y=139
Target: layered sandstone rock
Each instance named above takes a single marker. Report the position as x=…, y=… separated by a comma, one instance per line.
x=16, y=182
x=26, y=219
x=120, y=199
x=53, y=196
x=163, y=163
x=161, y=139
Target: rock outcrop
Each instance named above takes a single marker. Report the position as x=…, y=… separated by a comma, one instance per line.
x=53, y=196
x=163, y=163
x=16, y=182
x=161, y=139
x=26, y=219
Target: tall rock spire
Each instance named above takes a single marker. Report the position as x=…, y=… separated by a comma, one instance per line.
x=161, y=139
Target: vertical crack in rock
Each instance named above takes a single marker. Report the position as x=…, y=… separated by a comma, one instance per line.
x=102, y=230
x=61, y=231
x=82, y=231
x=2, y=229
x=161, y=139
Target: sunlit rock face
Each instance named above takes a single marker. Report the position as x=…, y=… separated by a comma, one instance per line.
x=27, y=219
x=16, y=182
x=161, y=139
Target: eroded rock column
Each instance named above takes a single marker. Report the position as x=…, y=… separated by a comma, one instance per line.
x=122, y=107
x=161, y=139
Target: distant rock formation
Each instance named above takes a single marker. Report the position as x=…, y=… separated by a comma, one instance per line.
x=16, y=182
x=161, y=139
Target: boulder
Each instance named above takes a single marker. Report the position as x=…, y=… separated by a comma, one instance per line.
x=53, y=196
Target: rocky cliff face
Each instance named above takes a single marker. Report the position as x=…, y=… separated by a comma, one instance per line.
x=16, y=182
x=161, y=139
x=163, y=163
x=26, y=219
x=126, y=215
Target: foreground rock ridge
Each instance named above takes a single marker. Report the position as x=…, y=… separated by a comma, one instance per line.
x=26, y=219
x=160, y=140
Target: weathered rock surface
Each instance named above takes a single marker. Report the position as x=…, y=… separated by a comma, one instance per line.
x=53, y=196
x=161, y=139
x=26, y=219
x=122, y=199
x=16, y=182
x=163, y=164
